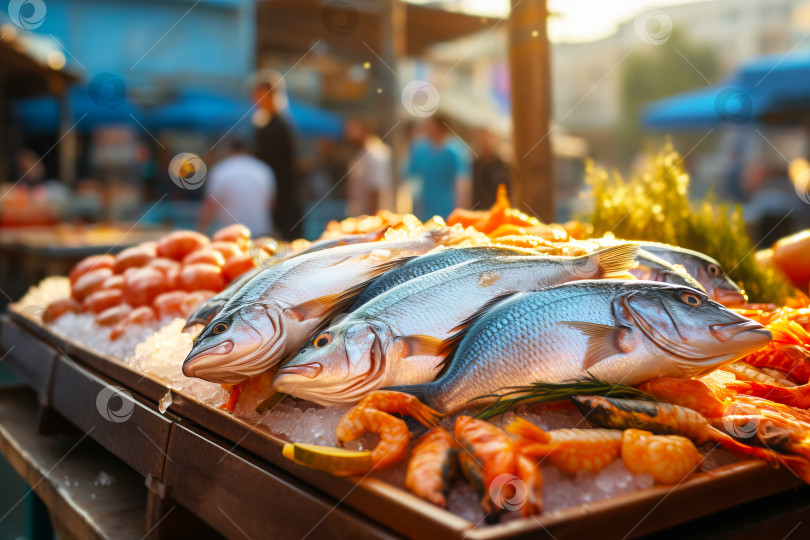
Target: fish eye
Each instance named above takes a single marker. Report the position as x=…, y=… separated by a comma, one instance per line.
x=691, y=298
x=714, y=270
x=322, y=341
x=220, y=327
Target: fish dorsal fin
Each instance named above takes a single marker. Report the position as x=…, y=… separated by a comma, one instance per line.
x=391, y=264
x=420, y=345
x=603, y=340
x=613, y=262
x=449, y=345
x=327, y=307
x=315, y=308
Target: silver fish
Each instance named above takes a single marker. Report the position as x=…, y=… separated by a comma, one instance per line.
x=430, y=262
x=272, y=314
x=209, y=309
x=398, y=337
x=624, y=332
x=703, y=268
x=652, y=268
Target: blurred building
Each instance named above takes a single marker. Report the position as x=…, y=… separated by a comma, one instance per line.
x=587, y=75
x=154, y=76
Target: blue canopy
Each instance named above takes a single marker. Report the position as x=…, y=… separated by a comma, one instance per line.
x=689, y=110
x=769, y=89
x=86, y=106
x=193, y=110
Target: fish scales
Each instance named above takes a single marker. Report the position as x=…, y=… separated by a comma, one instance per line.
x=620, y=331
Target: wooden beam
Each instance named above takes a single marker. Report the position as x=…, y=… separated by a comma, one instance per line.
x=530, y=67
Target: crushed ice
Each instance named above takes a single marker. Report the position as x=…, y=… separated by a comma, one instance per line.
x=104, y=480
x=159, y=352
x=165, y=402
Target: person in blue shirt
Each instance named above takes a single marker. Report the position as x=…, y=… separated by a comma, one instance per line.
x=436, y=166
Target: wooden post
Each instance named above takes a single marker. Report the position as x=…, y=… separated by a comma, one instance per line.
x=5, y=163
x=67, y=145
x=530, y=68
x=392, y=48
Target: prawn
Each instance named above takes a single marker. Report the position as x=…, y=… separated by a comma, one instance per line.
x=796, y=396
x=574, y=450
x=390, y=402
x=668, y=458
x=372, y=415
x=690, y=393
x=490, y=462
x=393, y=432
x=432, y=466
x=746, y=372
x=667, y=419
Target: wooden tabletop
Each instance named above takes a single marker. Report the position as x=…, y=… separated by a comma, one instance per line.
x=70, y=474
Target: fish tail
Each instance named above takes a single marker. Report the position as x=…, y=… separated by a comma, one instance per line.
x=425, y=393
x=614, y=262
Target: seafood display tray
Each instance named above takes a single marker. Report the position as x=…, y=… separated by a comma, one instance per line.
x=232, y=474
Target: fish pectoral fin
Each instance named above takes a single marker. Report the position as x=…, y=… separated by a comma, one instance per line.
x=315, y=308
x=420, y=345
x=603, y=341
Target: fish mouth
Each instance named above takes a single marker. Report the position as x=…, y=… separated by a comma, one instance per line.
x=258, y=346
x=724, y=332
x=193, y=366
x=729, y=297
x=310, y=371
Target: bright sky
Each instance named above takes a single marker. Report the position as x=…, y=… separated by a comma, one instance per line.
x=575, y=20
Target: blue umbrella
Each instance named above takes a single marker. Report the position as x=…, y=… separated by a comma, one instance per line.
x=88, y=105
x=768, y=89
x=198, y=110
x=201, y=110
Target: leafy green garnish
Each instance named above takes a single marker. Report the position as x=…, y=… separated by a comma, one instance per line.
x=547, y=392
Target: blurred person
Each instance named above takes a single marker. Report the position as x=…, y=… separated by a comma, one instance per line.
x=463, y=187
x=239, y=189
x=30, y=169
x=435, y=168
x=275, y=145
x=489, y=170
x=368, y=181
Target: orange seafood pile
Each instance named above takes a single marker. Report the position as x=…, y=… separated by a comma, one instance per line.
x=503, y=222
x=145, y=283
x=787, y=357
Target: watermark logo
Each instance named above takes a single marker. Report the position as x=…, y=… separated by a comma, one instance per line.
x=741, y=420
x=108, y=91
x=27, y=14
x=262, y=251
x=733, y=106
x=115, y=404
x=420, y=99
x=340, y=18
x=32, y=312
x=653, y=27
x=508, y=492
x=587, y=267
x=188, y=171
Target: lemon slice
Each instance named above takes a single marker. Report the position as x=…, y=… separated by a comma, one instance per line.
x=337, y=461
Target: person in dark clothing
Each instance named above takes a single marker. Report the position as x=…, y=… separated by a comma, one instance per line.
x=489, y=170
x=275, y=145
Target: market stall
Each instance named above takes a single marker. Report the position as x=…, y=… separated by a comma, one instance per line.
x=212, y=423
